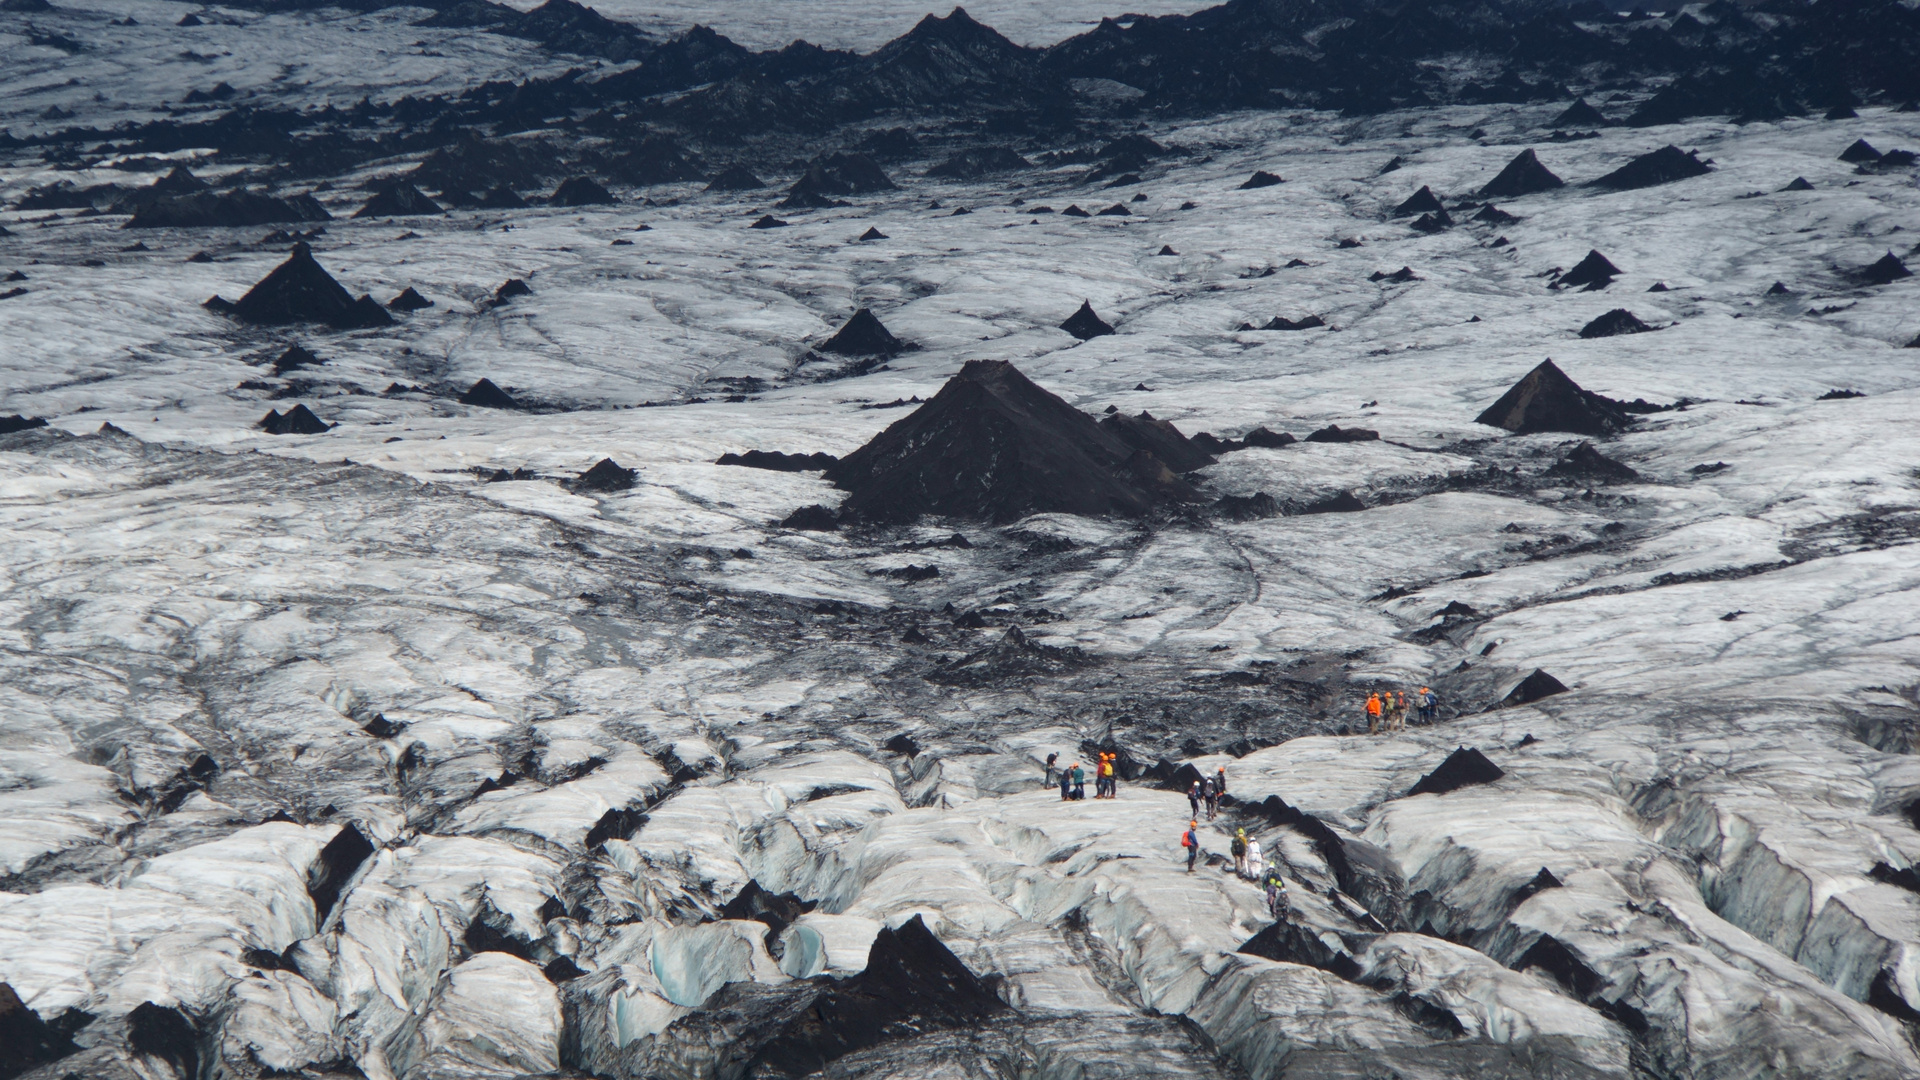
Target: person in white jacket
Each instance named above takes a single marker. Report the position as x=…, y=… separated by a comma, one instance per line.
x=1256, y=865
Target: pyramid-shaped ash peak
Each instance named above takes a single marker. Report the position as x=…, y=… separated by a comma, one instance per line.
x=994, y=445
x=398, y=199
x=1159, y=438
x=1595, y=269
x=1546, y=399
x=1086, y=325
x=1423, y=201
x=1580, y=114
x=862, y=335
x=301, y=290
x=1524, y=175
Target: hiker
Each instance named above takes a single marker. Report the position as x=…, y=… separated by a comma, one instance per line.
x=1079, y=782
x=1191, y=841
x=1373, y=713
x=1051, y=758
x=1210, y=797
x=1386, y=712
x=1193, y=799
x=1066, y=785
x=1429, y=704
x=1277, y=900
x=1220, y=781
x=1256, y=863
x=1400, y=710
x=1113, y=775
x=1101, y=770
x=1239, y=849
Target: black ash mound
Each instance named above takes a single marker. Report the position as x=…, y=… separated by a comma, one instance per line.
x=580, y=191
x=1886, y=271
x=974, y=164
x=1463, y=768
x=1423, y=201
x=832, y=175
x=1260, y=178
x=300, y=290
x=1587, y=465
x=1159, y=438
x=398, y=199
x=233, y=209
x=606, y=475
x=1533, y=688
x=862, y=335
x=1580, y=115
x=1662, y=166
x=1524, y=175
x=735, y=178
x=1547, y=400
x=1595, y=271
x=1086, y=325
x=409, y=300
x=777, y=461
x=993, y=445
x=298, y=420
x=488, y=396
x=1613, y=324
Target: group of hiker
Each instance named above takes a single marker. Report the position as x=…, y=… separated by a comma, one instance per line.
x=1073, y=778
x=1206, y=792
x=1387, y=709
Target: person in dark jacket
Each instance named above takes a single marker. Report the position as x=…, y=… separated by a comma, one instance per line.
x=1051, y=758
x=1079, y=781
x=1066, y=785
x=1191, y=841
x=1193, y=799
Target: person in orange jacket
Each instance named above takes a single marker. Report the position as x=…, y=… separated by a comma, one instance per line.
x=1373, y=713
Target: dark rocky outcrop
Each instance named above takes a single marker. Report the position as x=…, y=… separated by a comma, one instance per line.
x=1547, y=400
x=488, y=396
x=814, y=518
x=1013, y=656
x=1587, y=465
x=1252, y=507
x=1086, y=325
x=580, y=191
x=300, y=290
x=1594, y=272
x=1580, y=115
x=296, y=357
x=1272, y=440
x=1524, y=175
x=16, y=422
x=862, y=335
x=1613, y=324
x=1423, y=201
x=511, y=288
x=1400, y=276
x=778, y=462
x=1886, y=271
x=165, y=1033
x=298, y=420
x=777, y=910
x=1159, y=438
x=1260, y=179
x=409, y=300
x=735, y=178
x=912, y=984
x=1438, y=221
x=398, y=199
x=1799, y=183
x=27, y=1041
x=179, y=182
x=833, y=175
x=873, y=233
x=1662, y=166
x=232, y=209
x=993, y=445
x=973, y=164
x=1334, y=433
x=1464, y=767
x=338, y=862
x=1860, y=153
x=605, y=476
x=1533, y=688
x=768, y=221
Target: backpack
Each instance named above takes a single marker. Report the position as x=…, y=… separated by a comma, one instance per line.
x=1239, y=846
x=1186, y=839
